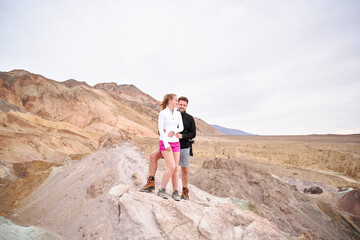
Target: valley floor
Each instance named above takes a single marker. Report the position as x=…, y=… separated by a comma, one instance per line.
x=330, y=159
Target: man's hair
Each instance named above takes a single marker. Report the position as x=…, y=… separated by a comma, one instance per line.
x=182, y=98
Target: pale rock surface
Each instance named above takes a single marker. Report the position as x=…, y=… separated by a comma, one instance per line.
x=200, y=218
x=11, y=231
x=6, y=171
x=98, y=197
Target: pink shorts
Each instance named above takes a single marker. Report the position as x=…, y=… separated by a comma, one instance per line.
x=175, y=146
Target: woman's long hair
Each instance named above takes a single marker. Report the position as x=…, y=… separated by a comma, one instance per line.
x=166, y=100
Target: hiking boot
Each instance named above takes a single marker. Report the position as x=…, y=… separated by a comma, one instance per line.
x=149, y=186
x=185, y=193
x=162, y=193
x=176, y=195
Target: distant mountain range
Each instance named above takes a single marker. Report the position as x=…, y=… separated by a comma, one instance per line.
x=229, y=131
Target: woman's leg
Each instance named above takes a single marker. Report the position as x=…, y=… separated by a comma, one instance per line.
x=175, y=175
x=150, y=184
x=170, y=167
x=154, y=157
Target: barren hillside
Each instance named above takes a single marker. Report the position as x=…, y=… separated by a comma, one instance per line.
x=54, y=122
x=31, y=104
x=78, y=154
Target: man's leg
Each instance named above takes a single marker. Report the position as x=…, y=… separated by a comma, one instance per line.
x=150, y=184
x=185, y=176
x=184, y=163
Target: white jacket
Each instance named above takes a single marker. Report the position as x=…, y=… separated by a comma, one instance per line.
x=170, y=122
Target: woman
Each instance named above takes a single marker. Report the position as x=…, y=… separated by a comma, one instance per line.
x=170, y=123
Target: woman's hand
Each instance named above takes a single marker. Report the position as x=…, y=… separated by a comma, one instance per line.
x=168, y=149
x=170, y=134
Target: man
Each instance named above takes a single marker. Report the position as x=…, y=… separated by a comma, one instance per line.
x=185, y=136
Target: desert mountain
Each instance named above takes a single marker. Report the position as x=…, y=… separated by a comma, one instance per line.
x=78, y=104
x=72, y=108
x=69, y=169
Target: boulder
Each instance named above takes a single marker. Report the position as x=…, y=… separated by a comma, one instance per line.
x=313, y=190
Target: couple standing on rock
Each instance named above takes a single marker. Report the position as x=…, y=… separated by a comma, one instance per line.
x=176, y=129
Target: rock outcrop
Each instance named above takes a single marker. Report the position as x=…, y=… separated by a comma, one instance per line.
x=11, y=231
x=291, y=211
x=313, y=190
x=349, y=204
x=98, y=197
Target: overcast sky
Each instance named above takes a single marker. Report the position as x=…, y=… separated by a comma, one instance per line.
x=270, y=67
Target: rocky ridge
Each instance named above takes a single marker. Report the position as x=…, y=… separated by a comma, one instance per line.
x=98, y=197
